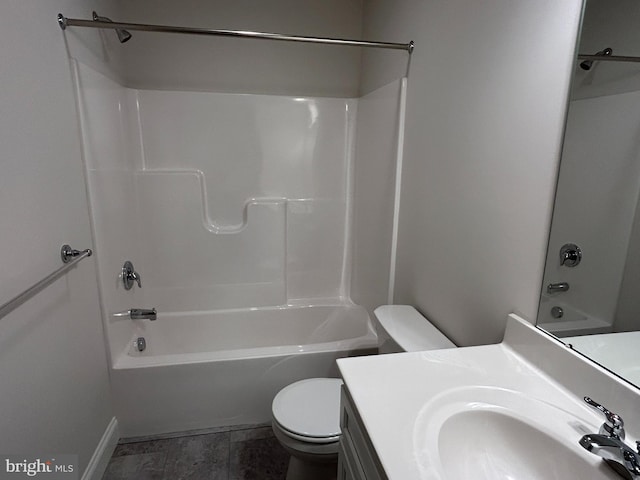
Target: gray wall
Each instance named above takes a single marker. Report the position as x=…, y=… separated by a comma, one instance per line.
x=53, y=370
x=183, y=62
x=486, y=103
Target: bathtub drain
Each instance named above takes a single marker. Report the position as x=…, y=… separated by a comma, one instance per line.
x=140, y=344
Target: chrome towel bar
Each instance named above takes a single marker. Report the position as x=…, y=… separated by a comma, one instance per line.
x=608, y=58
x=69, y=256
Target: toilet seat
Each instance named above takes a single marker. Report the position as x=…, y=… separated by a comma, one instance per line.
x=309, y=410
x=306, y=439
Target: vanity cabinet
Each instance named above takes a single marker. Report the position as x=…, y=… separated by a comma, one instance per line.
x=357, y=460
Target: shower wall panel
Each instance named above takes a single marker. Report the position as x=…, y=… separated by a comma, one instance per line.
x=109, y=145
x=220, y=200
x=242, y=199
x=191, y=266
x=374, y=189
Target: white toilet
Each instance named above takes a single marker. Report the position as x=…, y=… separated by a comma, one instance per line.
x=306, y=414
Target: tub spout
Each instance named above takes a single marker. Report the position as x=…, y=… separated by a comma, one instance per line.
x=558, y=287
x=143, y=314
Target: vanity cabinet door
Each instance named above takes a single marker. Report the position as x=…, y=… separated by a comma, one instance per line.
x=356, y=451
x=348, y=468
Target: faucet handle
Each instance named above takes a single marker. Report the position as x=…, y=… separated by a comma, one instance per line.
x=570, y=255
x=614, y=426
x=129, y=275
x=136, y=276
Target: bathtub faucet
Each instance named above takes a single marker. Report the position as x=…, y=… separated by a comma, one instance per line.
x=143, y=314
x=557, y=287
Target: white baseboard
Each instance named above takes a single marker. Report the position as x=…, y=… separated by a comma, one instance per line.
x=102, y=454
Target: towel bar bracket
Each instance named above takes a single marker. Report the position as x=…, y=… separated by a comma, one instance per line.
x=67, y=253
x=69, y=257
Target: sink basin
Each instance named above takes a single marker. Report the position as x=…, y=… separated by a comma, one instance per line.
x=508, y=411
x=492, y=433
x=493, y=445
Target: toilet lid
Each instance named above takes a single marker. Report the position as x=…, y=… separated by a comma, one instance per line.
x=310, y=408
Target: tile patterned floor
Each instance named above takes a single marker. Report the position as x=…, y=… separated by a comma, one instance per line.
x=248, y=454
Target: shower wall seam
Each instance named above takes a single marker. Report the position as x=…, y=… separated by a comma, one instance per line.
x=349, y=152
x=75, y=78
x=398, y=189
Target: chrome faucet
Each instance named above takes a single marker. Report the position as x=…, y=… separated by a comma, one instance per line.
x=129, y=275
x=143, y=314
x=570, y=255
x=557, y=287
x=609, y=444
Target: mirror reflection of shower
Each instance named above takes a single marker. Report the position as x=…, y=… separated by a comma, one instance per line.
x=597, y=203
x=587, y=64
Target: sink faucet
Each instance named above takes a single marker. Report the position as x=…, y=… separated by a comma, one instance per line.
x=609, y=444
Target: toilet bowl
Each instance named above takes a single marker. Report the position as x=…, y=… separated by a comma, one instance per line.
x=306, y=414
x=306, y=421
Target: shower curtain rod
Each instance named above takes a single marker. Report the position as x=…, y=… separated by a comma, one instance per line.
x=608, y=58
x=65, y=22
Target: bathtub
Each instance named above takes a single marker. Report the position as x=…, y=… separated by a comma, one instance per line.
x=572, y=322
x=211, y=369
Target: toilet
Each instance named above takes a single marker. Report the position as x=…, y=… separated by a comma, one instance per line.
x=306, y=414
x=401, y=328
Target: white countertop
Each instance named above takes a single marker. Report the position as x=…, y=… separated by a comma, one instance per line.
x=393, y=392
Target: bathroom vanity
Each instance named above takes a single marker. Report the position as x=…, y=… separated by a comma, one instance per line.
x=357, y=458
x=511, y=410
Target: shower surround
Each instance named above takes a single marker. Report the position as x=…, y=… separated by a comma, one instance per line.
x=236, y=211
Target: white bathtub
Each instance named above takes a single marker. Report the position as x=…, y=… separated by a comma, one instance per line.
x=572, y=322
x=203, y=370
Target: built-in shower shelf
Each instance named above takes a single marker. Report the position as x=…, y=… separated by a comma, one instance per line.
x=189, y=187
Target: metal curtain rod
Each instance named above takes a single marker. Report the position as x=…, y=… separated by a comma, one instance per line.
x=69, y=256
x=65, y=22
x=608, y=58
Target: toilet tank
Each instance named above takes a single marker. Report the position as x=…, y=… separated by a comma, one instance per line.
x=401, y=328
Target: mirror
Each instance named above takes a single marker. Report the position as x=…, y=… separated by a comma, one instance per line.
x=591, y=291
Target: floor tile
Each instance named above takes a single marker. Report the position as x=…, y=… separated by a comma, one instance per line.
x=198, y=458
x=236, y=454
x=146, y=466
x=251, y=434
x=258, y=459
x=137, y=448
